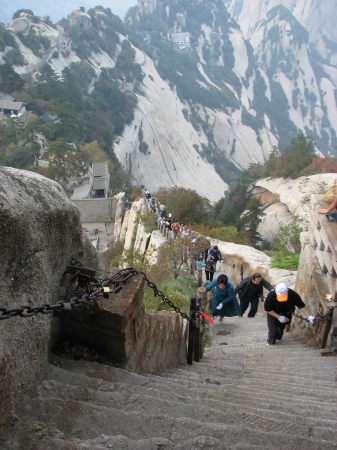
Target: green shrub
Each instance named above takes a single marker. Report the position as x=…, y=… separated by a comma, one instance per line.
x=285, y=260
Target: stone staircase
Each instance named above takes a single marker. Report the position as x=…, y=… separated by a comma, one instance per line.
x=243, y=395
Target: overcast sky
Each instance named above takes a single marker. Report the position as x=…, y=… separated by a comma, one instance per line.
x=60, y=8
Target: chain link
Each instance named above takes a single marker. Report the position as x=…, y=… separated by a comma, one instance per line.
x=318, y=318
x=95, y=289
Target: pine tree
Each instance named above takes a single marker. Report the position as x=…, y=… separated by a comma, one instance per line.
x=10, y=81
x=252, y=218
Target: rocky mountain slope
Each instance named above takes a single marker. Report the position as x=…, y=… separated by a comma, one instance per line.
x=318, y=18
x=267, y=89
x=206, y=112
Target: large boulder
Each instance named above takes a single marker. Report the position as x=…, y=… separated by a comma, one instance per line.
x=285, y=199
x=40, y=233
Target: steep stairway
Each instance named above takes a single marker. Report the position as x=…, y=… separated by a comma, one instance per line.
x=243, y=395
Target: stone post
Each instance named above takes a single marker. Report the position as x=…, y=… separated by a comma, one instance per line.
x=202, y=294
x=199, y=277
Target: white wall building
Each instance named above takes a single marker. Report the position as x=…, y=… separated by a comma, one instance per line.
x=179, y=39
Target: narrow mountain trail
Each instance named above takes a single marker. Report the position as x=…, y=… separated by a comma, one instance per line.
x=242, y=395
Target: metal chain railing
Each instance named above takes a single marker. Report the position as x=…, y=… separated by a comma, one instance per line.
x=94, y=287
x=320, y=317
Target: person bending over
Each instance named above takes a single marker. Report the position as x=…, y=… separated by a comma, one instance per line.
x=250, y=289
x=224, y=302
x=280, y=306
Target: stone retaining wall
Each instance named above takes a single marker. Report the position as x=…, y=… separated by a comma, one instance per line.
x=120, y=328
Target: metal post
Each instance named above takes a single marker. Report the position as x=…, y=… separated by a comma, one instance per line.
x=197, y=340
x=327, y=326
x=191, y=332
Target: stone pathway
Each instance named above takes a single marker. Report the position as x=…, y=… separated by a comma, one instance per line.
x=243, y=395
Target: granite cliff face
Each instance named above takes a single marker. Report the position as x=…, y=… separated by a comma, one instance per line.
x=285, y=200
x=318, y=18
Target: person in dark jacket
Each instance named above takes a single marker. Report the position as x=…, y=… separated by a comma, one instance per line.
x=280, y=306
x=209, y=270
x=250, y=290
x=224, y=301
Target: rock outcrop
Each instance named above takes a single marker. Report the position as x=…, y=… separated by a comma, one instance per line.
x=285, y=199
x=40, y=233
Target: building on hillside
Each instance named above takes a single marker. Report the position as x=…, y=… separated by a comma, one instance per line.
x=180, y=40
x=96, y=213
x=147, y=6
x=47, y=118
x=101, y=180
x=10, y=108
x=97, y=185
x=97, y=216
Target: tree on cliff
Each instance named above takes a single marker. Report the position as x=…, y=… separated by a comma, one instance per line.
x=10, y=81
x=251, y=219
x=63, y=161
x=17, y=13
x=186, y=205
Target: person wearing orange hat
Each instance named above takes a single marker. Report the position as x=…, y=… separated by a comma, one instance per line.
x=280, y=306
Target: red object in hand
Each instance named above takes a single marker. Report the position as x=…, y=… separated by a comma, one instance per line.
x=206, y=316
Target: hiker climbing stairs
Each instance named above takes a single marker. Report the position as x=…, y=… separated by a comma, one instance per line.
x=242, y=395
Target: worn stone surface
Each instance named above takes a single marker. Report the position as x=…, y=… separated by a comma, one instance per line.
x=40, y=232
x=5, y=389
x=241, y=396
x=120, y=328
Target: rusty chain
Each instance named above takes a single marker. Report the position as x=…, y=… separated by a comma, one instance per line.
x=320, y=317
x=95, y=288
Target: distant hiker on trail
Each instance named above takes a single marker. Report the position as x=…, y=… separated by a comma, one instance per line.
x=250, y=289
x=175, y=229
x=147, y=195
x=205, y=250
x=169, y=221
x=280, y=306
x=214, y=254
x=224, y=301
x=209, y=270
x=162, y=209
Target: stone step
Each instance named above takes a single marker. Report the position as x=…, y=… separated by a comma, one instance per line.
x=40, y=436
x=258, y=398
x=80, y=420
x=253, y=387
x=291, y=387
x=260, y=378
x=221, y=413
